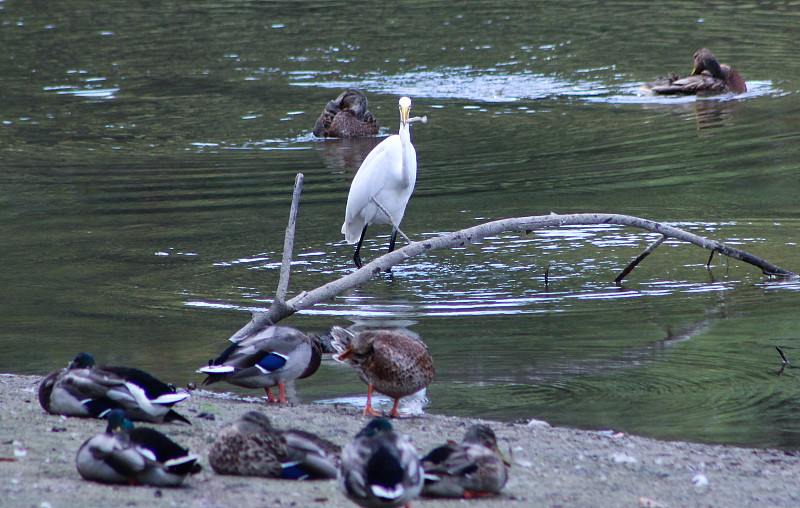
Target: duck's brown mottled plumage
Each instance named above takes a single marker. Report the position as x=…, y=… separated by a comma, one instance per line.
x=708, y=77
x=346, y=116
x=473, y=468
x=390, y=361
x=253, y=447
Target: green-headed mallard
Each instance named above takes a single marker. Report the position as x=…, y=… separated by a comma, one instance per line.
x=273, y=355
x=129, y=455
x=347, y=116
x=380, y=467
x=83, y=389
x=390, y=361
x=253, y=447
x=708, y=77
x=473, y=468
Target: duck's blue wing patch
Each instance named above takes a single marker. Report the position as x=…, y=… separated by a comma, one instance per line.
x=272, y=362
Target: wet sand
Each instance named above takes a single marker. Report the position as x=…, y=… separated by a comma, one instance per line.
x=553, y=466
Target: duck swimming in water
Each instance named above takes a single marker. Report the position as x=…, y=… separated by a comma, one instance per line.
x=347, y=116
x=708, y=77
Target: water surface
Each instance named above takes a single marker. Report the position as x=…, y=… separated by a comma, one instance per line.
x=149, y=154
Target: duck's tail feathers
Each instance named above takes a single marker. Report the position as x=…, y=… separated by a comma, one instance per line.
x=170, y=398
x=174, y=416
x=184, y=465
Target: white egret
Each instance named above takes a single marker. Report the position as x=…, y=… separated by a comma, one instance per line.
x=387, y=176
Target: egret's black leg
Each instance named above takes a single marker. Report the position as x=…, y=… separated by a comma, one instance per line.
x=392, y=240
x=357, y=255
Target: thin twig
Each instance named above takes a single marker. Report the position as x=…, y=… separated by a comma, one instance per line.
x=391, y=219
x=708, y=263
x=780, y=351
x=650, y=248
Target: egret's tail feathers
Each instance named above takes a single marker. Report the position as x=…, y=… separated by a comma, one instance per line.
x=351, y=232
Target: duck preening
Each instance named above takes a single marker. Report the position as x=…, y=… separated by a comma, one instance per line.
x=390, y=361
x=708, y=77
x=473, y=468
x=271, y=356
x=253, y=447
x=380, y=467
x=128, y=455
x=83, y=389
x=346, y=116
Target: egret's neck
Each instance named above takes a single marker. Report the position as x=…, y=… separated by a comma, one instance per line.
x=409, y=155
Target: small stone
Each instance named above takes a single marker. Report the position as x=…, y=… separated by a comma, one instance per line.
x=538, y=423
x=623, y=458
x=700, y=480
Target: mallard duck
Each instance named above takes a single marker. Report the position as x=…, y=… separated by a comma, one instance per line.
x=708, y=77
x=390, y=361
x=380, y=467
x=125, y=454
x=83, y=389
x=473, y=468
x=268, y=357
x=346, y=116
x=253, y=447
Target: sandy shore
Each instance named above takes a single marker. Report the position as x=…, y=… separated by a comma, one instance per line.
x=553, y=466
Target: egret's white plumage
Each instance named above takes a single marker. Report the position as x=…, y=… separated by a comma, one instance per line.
x=388, y=175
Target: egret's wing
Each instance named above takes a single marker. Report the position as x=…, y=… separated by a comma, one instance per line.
x=384, y=160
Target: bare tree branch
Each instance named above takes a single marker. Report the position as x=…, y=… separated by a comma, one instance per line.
x=288, y=241
x=650, y=248
x=476, y=234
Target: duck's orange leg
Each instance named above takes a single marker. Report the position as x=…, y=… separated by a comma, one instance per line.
x=270, y=397
x=368, y=408
x=282, y=393
x=394, y=412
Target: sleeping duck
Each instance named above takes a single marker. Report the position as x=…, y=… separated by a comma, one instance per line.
x=271, y=356
x=128, y=455
x=708, y=77
x=390, y=361
x=253, y=447
x=473, y=468
x=380, y=467
x=83, y=389
x=346, y=116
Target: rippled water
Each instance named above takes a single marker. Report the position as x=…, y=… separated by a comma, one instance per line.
x=149, y=154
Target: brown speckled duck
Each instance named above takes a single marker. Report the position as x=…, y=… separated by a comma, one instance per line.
x=253, y=447
x=390, y=361
x=708, y=77
x=347, y=116
x=473, y=468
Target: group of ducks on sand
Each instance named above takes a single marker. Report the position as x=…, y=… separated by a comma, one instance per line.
x=380, y=466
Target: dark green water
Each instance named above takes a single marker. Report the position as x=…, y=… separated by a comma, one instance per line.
x=149, y=152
